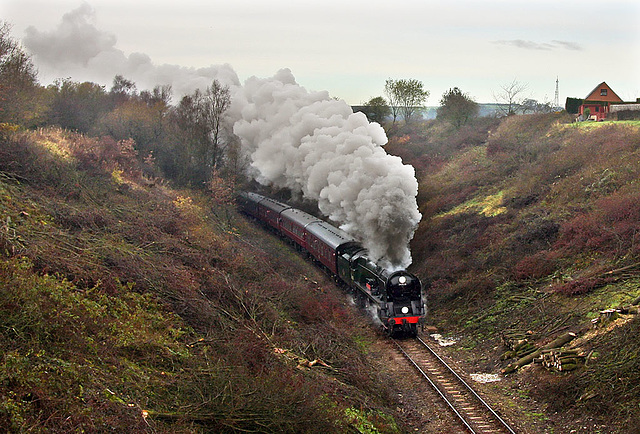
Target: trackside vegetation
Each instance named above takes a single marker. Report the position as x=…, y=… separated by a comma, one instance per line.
x=128, y=305
x=531, y=229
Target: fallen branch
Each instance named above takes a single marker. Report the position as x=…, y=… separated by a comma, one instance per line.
x=203, y=418
x=621, y=270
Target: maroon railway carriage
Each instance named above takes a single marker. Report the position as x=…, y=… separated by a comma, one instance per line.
x=324, y=241
x=249, y=202
x=263, y=208
x=293, y=224
x=269, y=211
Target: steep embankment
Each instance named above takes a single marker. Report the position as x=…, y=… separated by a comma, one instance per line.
x=533, y=233
x=126, y=305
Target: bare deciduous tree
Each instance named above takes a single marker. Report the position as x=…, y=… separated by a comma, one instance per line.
x=217, y=99
x=200, y=115
x=510, y=97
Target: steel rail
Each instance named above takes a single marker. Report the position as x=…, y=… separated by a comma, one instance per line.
x=435, y=387
x=469, y=388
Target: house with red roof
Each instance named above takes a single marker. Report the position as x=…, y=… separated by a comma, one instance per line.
x=596, y=105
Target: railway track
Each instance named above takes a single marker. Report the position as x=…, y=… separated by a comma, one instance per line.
x=473, y=411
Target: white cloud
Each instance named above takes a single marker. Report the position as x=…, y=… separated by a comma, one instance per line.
x=532, y=45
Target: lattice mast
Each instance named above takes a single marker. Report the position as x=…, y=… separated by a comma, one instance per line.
x=556, y=101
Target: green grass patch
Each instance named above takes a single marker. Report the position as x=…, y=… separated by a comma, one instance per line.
x=488, y=206
x=589, y=125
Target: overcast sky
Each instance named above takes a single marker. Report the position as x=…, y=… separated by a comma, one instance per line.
x=347, y=47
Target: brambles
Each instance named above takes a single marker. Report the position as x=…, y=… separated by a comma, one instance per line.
x=579, y=286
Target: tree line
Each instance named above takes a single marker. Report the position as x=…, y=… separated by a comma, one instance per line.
x=187, y=141
x=406, y=97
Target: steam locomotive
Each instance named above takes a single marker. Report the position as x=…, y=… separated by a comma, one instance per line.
x=395, y=295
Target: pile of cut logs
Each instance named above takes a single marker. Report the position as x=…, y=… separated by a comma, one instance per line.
x=558, y=359
x=534, y=352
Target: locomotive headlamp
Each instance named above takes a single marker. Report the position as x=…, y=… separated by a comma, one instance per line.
x=402, y=280
x=405, y=309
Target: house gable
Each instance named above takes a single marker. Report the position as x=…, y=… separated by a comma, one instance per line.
x=603, y=93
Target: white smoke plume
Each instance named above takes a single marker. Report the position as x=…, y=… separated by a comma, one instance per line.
x=314, y=145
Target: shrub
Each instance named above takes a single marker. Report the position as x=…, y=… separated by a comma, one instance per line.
x=611, y=228
x=533, y=233
x=105, y=154
x=579, y=286
x=535, y=266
